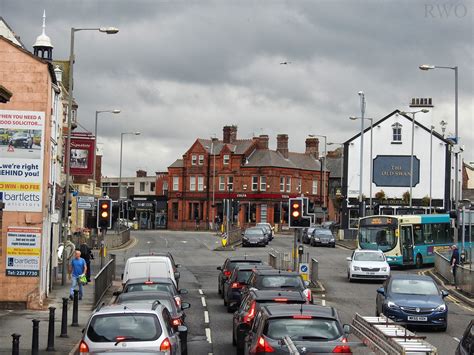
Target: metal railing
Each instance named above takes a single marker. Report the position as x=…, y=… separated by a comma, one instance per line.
x=280, y=260
x=103, y=280
x=464, y=274
x=314, y=271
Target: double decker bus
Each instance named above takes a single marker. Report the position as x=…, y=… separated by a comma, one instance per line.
x=406, y=239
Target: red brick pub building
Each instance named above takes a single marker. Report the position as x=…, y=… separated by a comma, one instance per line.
x=256, y=180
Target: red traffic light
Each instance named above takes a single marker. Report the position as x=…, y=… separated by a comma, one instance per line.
x=295, y=205
x=104, y=206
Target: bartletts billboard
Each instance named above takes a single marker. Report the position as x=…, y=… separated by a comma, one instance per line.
x=21, y=160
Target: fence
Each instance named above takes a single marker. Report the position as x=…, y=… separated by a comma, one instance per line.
x=464, y=274
x=113, y=240
x=234, y=236
x=314, y=271
x=280, y=260
x=103, y=280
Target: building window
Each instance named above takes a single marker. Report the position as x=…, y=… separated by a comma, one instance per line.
x=230, y=183
x=192, y=183
x=315, y=187
x=282, y=184
x=221, y=183
x=226, y=159
x=254, y=183
x=288, y=184
x=263, y=183
x=165, y=187
x=193, y=160
x=397, y=133
x=152, y=186
x=299, y=185
x=142, y=186
x=200, y=183
x=174, y=211
x=175, y=183
x=201, y=160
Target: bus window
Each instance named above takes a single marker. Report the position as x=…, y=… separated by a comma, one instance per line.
x=418, y=234
x=437, y=233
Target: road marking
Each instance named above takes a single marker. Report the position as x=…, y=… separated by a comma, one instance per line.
x=457, y=339
x=203, y=301
x=200, y=292
x=206, y=317
x=323, y=295
x=184, y=241
x=323, y=302
x=208, y=335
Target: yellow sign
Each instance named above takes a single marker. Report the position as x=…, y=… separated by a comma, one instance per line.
x=23, y=251
x=19, y=186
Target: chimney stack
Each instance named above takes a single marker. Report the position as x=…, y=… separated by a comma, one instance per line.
x=141, y=173
x=282, y=145
x=230, y=134
x=312, y=147
x=262, y=141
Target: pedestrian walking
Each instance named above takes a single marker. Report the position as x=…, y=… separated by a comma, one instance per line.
x=454, y=263
x=77, y=268
x=87, y=255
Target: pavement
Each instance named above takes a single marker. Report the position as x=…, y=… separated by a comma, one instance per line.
x=347, y=244
x=450, y=288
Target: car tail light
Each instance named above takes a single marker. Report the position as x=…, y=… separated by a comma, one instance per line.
x=236, y=285
x=148, y=282
x=165, y=345
x=177, y=300
x=280, y=299
x=249, y=316
x=227, y=273
x=263, y=346
x=83, y=348
x=307, y=293
x=301, y=316
x=176, y=322
x=342, y=349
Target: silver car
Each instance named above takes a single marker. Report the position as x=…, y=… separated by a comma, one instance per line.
x=118, y=327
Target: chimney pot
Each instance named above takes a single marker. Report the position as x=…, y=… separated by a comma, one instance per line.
x=262, y=141
x=229, y=134
x=312, y=147
x=282, y=145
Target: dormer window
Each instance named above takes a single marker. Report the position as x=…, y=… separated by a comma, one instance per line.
x=226, y=159
x=397, y=133
x=193, y=160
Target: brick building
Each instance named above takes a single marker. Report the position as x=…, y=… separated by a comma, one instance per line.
x=256, y=180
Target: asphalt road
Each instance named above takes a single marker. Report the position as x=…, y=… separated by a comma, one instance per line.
x=210, y=326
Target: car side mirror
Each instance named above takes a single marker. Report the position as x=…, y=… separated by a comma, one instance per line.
x=347, y=328
x=185, y=305
x=121, y=277
x=381, y=291
x=182, y=329
x=444, y=293
x=178, y=265
x=349, y=258
x=83, y=330
x=219, y=268
x=306, y=283
x=183, y=291
x=117, y=293
x=176, y=275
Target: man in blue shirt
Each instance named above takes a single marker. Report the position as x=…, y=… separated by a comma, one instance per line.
x=77, y=268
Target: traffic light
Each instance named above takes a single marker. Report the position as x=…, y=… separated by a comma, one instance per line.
x=104, y=213
x=297, y=220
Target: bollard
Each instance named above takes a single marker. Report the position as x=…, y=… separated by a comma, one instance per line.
x=64, y=319
x=50, y=346
x=35, y=337
x=75, y=309
x=16, y=344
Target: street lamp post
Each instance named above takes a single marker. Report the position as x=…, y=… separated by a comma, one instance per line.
x=323, y=167
x=65, y=226
x=361, y=173
x=413, y=113
x=431, y=167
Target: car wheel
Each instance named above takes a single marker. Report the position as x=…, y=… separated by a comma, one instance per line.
x=234, y=343
x=377, y=314
x=218, y=288
x=419, y=261
x=443, y=328
x=230, y=309
x=225, y=302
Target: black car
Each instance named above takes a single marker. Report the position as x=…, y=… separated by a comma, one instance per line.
x=307, y=232
x=466, y=344
x=314, y=330
x=413, y=299
x=251, y=304
x=323, y=237
x=278, y=280
x=229, y=265
x=237, y=280
x=268, y=228
x=153, y=284
x=22, y=139
x=254, y=237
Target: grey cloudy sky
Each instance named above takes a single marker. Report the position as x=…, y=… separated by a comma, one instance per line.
x=182, y=69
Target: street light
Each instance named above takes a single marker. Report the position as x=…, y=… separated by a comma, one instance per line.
x=108, y=30
x=361, y=172
x=323, y=168
x=413, y=113
x=371, y=156
x=95, y=141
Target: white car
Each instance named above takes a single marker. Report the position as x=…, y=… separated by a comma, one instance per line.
x=367, y=265
x=150, y=266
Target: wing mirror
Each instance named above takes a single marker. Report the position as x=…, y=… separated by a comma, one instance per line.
x=185, y=305
x=117, y=293
x=219, y=268
x=381, y=291
x=183, y=291
x=176, y=275
x=178, y=265
x=347, y=328
x=349, y=258
x=444, y=293
x=182, y=329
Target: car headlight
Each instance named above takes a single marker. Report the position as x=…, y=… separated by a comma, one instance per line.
x=332, y=239
x=392, y=305
x=316, y=238
x=356, y=268
x=383, y=269
x=441, y=308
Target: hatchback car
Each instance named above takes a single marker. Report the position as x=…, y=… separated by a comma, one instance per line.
x=323, y=237
x=229, y=265
x=254, y=237
x=268, y=227
x=466, y=344
x=367, y=265
x=307, y=232
x=413, y=300
x=313, y=329
x=145, y=328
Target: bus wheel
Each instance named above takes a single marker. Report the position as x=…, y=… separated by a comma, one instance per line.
x=419, y=261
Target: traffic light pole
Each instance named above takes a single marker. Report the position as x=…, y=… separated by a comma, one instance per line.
x=295, y=248
x=103, y=231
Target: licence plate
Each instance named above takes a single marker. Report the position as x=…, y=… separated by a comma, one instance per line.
x=418, y=319
x=371, y=273
x=325, y=242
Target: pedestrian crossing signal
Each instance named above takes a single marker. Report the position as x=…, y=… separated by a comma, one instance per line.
x=104, y=213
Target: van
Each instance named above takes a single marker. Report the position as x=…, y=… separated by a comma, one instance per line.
x=149, y=266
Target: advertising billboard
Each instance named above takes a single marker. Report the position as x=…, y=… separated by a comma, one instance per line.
x=23, y=251
x=21, y=160
x=82, y=155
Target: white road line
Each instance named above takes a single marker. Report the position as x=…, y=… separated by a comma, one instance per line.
x=203, y=301
x=200, y=292
x=323, y=302
x=206, y=317
x=323, y=295
x=457, y=339
x=208, y=335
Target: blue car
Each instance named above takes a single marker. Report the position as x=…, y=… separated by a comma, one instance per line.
x=413, y=300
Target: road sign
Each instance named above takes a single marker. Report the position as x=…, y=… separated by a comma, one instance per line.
x=82, y=198
x=304, y=271
x=85, y=205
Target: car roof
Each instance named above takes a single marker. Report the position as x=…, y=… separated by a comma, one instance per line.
x=250, y=267
x=244, y=258
x=378, y=251
x=410, y=277
x=121, y=308
x=141, y=280
x=275, y=272
x=262, y=295
x=144, y=295
x=149, y=258
x=282, y=310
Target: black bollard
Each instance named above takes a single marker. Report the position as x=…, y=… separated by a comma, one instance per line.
x=75, y=309
x=16, y=344
x=35, y=337
x=50, y=346
x=64, y=319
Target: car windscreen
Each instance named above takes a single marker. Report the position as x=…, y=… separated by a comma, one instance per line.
x=148, y=287
x=414, y=287
x=243, y=276
x=367, y=256
x=134, y=326
x=232, y=264
x=315, y=329
x=254, y=232
x=280, y=281
x=322, y=233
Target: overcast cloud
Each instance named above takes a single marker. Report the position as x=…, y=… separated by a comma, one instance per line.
x=179, y=70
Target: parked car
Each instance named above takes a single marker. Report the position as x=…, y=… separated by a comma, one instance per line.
x=413, y=300
x=306, y=237
x=150, y=266
x=143, y=328
x=269, y=227
x=229, y=265
x=254, y=237
x=323, y=237
x=22, y=139
x=166, y=254
x=367, y=265
x=251, y=304
x=316, y=329
x=466, y=344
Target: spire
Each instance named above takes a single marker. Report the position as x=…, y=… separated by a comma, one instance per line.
x=43, y=47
